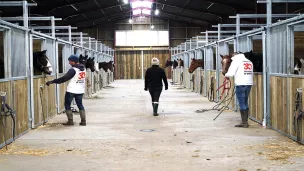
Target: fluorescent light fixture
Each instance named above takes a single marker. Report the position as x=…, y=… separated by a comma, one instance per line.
x=156, y=12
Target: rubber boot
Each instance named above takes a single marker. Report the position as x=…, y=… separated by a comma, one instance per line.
x=246, y=116
x=244, y=123
x=155, y=107
x=69, y=114
x=83, y=118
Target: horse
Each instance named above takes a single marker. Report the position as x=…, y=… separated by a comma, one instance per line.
x=171, y=63
x=299, y=67
x=256, y=59
x=87, y=62
x=180, y=63
x=195, y=63
x=42, y=63
x=106, y=66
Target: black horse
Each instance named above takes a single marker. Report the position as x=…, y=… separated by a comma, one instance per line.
x=106, y=66
x=87, y=62
x=171, y=63
x=41, y=63
x=256, y=59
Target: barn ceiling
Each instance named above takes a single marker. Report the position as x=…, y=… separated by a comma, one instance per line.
x=87, y=13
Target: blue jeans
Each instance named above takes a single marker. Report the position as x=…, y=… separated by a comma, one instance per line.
x=69, y=98
x=242, y=94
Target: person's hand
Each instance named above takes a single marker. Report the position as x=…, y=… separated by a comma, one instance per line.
x=146, y=89
x=49, y=82
x=166, y=88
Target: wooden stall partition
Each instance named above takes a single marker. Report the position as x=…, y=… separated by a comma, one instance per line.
x=51, y=99
x=202, y=83
x=88, y=89
x=40, y=101
x=293, y=84
x=7, y=133
x=256, y=99
x=20, y=105
x=62, y=90
x=45, y=106
x=211, y=74
x=278, y=103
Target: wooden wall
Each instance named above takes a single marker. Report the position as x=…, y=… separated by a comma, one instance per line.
x=44, y=100
x=16, y=98
x=282, y=103
x=128, y=63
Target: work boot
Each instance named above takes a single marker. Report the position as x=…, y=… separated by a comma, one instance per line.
x=155, y=107
x=82, y=117
x=244, y=123
x=69, y=114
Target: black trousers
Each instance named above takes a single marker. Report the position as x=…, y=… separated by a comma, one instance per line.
x=155, y=93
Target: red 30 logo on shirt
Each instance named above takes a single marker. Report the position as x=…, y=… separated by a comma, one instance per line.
x=247, y=66
x=81, y=75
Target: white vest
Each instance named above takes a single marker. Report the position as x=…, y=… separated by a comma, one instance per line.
x=242, y=70
x=77, y=83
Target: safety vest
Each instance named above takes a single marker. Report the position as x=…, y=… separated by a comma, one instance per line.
x=77, y=83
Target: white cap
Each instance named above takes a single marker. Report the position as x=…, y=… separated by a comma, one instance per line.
x=155, y=61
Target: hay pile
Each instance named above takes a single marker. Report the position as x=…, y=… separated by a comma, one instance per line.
x=25, y=150
x=280, y=150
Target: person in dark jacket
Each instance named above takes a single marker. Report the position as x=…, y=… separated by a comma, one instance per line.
x=75, y=89
x=153, y=81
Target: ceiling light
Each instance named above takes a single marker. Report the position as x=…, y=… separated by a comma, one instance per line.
x=125, y=1
x=130, y=21
x=156, y=12
x=152, y=27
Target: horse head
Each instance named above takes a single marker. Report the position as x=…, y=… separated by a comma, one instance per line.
x=106, y=66
x=299, y=66
x=175, y=64
x=83, y=59
x=42, y=62
x=180, y=63
x=90, y=63
x=256, y=59
x=195, y=63
x=111, y=66
x=168, y=63
x=226, y=62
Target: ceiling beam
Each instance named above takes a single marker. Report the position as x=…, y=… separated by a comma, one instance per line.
x=206, y=13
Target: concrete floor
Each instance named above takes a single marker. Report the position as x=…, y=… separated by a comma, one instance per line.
x=182, y=140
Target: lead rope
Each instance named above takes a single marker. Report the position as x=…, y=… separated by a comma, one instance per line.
x=298, y=114
x=4, y=114
x=218, y=106
x=41, y=102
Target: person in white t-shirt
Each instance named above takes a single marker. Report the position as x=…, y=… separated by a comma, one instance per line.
x=75, y=89
x=242, y=70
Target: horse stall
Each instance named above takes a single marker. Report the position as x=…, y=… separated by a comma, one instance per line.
x=187, y=75
x=285, y=88
x=64, y=52
x=210, y=72
x=45, y=103
x=224, y=48
x=254, y=42
x=13, y=82
x=198, y=73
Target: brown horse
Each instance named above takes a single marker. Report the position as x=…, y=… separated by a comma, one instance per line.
x=226, y=62
x=195, y=63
